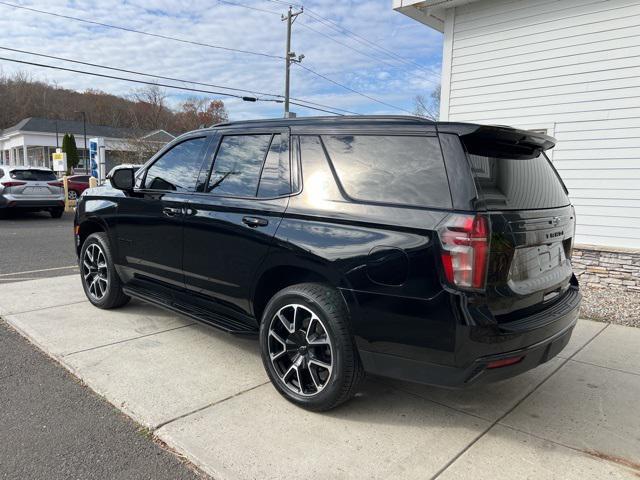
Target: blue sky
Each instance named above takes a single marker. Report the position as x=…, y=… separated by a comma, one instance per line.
x=369, y=70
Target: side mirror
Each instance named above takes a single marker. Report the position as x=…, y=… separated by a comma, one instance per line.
x=122, y=179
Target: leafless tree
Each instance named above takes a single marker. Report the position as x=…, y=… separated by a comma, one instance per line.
x=428, y=107
x=150, y=111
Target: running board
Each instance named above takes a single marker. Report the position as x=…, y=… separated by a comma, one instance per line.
x=218, y=321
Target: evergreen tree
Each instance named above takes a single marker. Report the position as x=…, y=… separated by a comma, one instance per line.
x=69, y=147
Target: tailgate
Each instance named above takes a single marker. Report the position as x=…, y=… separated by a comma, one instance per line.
x=529, y=261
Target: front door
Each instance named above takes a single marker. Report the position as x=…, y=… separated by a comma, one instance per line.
x=230, y=224
x=150, y=222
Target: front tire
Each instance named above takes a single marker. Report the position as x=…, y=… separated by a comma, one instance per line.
x=307, y=347
x=100, y=281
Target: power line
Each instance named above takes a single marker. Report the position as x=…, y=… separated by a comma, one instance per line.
x=363, y=40
x=249, y=7
x=164, y=85
x=106, y=67
x=182, y=41
x=104, y=75
x=342, y=30
x=150, y=34
x=318, y=109
x=309, y=27
x=359, y=38
x=117, y=27
x=340, y=43
x=351, y=89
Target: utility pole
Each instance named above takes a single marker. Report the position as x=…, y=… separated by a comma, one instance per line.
x=289, y=57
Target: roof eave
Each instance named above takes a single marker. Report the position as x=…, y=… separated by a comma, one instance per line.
x=428, y=12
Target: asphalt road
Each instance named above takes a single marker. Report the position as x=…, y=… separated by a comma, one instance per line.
x=34, y=245
x=52, y=427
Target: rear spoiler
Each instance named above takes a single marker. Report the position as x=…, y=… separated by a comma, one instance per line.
x=496, y=141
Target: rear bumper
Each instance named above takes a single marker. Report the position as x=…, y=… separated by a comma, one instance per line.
x=479, y=350
x=14, y=201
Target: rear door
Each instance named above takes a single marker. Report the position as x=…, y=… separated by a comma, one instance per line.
x=231, y=221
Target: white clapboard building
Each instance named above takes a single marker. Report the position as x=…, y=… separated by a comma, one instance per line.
x=570, y=68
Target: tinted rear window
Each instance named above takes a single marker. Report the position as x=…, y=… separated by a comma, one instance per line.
x=402, y=169
x=33, y=175
x=510, y=184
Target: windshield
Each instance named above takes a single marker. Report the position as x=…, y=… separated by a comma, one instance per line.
x=516, y=184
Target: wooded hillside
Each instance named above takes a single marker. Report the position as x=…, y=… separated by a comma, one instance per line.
x=144, y=110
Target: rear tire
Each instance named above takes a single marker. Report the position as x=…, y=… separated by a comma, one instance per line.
x=307, y=347
x=72, y=195
x=100, y=281
x=56, y=212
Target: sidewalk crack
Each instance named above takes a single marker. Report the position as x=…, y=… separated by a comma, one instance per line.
x=126, y=340
x=606, y=368
x=518, y=403
x=8, y=314
x=212, y=404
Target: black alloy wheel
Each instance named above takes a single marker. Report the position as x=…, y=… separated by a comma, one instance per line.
x=307, y=347
x=100, y=280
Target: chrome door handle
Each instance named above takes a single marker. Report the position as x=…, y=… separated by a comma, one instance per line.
x=171, y=211
x=254, y=222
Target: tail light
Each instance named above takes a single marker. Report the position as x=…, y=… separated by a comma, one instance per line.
x=465, y=250
x=56, y=184
x=13, y=184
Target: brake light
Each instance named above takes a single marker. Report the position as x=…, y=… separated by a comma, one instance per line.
x=56, y=184
x=13, y=184
x=465, y=250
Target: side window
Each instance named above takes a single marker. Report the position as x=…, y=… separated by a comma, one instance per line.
x=276, y=179
x=236, y=169
x=178, y=168
x=398, y=169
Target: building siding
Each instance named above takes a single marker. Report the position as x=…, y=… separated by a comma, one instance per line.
x=570, y=67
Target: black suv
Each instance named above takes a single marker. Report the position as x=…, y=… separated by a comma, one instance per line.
x=431, y=252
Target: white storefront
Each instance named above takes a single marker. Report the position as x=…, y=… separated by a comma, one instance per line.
x=32, y=141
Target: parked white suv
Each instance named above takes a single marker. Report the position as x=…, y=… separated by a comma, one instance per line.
x=31, y=188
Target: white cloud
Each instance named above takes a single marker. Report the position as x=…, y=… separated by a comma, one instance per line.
x=382, y=77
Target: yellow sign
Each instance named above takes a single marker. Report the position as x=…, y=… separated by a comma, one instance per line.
x=59, y=161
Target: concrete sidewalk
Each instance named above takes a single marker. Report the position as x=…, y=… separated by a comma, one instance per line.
x=205, y=394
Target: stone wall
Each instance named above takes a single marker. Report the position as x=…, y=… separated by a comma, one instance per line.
x=598, y=267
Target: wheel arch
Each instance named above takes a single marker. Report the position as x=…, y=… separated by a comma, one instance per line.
x=276, y=277
x=86, y=228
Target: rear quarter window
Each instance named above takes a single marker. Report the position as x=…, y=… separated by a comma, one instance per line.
x=391, y=169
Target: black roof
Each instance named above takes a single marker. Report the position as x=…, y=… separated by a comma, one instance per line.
x=330, y=120
x=37, y=124
x=347, y=121
x=379, y=123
